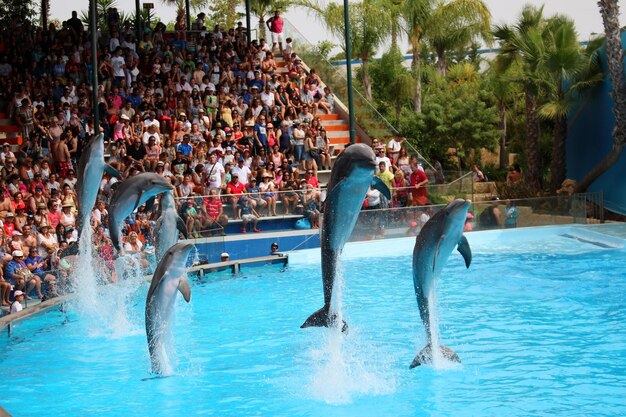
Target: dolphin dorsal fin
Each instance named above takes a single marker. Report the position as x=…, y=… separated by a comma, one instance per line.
x=182, y=228
x=464, y=249
x=112, y=171
x=382, y=187
x=185, y=288
x=441, y=239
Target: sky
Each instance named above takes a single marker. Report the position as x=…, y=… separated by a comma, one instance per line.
x=584, y=12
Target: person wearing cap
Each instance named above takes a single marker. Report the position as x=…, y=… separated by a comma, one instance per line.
x=36, y=264
x=16, y=305
x=17, y=274
x=242, y=171
x=9, y=223
x=6, y=154
x=274, y=249
x=247, y=213
x=235, y=190
x=68, y=218
x=224, y=257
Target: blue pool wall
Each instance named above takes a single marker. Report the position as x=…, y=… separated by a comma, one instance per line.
x=590, y=138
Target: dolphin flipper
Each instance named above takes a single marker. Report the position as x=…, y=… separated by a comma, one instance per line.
x=441, y=239
x=382, y=187
x=182, y=228
x=112, y=171
x=185, y=288
x=465, y=250
x=425, y=356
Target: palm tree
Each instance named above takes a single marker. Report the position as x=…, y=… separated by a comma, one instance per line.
x=456, y=25
x=369, y=24
x=609, y=9
x=416, y=14
x=569, y=70
x=523, y=44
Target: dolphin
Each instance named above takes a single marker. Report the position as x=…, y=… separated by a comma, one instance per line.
x=167, y=225
x=434, y=244
x=91, y=165
x=132, y=193
x=170, y=276
x=351, y=177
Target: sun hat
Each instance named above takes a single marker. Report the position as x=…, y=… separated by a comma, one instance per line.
x=18, y=293
x=124, y=117
x=17, y=253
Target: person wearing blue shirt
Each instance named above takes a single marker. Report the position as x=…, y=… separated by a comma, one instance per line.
x=256, y=81
x=185, y=147
x=247, y=96
x=135, y=99
x=260, y=135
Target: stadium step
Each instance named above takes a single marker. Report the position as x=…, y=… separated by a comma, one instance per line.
x=331, y=116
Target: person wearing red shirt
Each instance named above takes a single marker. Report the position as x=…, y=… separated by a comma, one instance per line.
x=275, y=25
x=235, y=190
x=9, y=225
x=216, y=219
x=54, y=214
x=419, y=196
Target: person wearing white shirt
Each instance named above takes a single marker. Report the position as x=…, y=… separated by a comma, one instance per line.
x=242, y=171
x=215, y=173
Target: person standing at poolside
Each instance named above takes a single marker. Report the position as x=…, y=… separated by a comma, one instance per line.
x=275, y=25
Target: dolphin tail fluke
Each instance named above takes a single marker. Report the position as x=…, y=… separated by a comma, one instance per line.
x=425, y=356
x=323, y=318
x=317, y=319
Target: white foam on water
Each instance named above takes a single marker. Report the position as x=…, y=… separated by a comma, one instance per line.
x=105, y=310
x=344, y=367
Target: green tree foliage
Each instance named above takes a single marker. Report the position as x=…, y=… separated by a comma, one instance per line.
x=394, y=81
x=369, y=24
x=456, y=114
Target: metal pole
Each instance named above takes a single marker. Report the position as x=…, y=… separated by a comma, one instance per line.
x=138, y=21
x=248, y=24
x=93, y=24
x=188, y=14
x=44, y=14
x=346, y=17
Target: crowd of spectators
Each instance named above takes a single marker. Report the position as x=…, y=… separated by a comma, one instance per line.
x=235, y=130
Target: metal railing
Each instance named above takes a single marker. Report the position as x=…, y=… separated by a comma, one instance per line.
x=367, y=116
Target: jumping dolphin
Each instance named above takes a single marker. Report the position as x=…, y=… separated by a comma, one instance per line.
x=170, y=276
x=434, y=244
x=167, y=225
x=90, y=168
x=351, y=177
x=132, y=193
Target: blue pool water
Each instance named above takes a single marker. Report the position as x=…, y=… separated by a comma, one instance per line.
x=539, y=321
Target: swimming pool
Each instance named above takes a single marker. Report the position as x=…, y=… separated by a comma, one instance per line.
x=538, y=320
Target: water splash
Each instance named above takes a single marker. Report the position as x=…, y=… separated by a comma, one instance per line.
x=344, y=366
x=438, y=360
x=105, y=310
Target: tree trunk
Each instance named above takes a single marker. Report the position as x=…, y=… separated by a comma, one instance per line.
x=365, y=78
x=502, y=126
x=262, y=28
x=609, y=9
x=441, y=62
x=533, y=174
x=557, y=167
x=416, y=65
